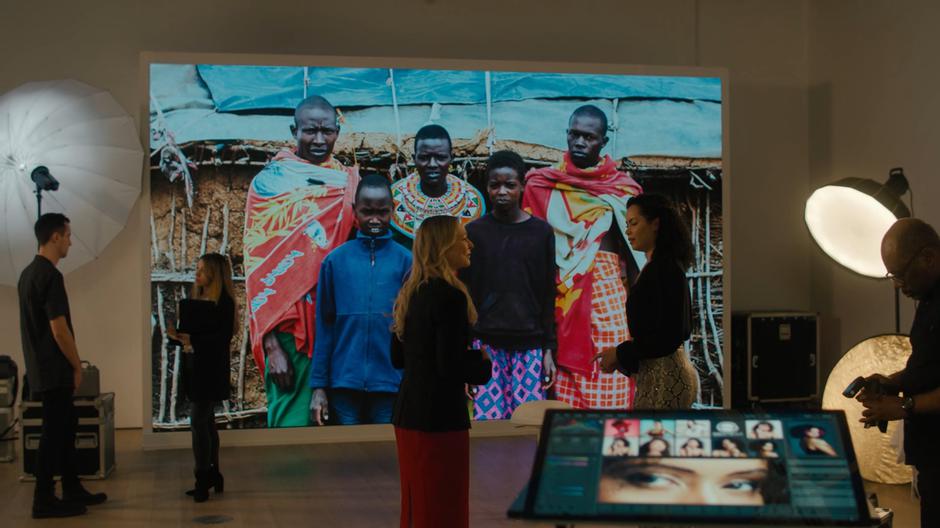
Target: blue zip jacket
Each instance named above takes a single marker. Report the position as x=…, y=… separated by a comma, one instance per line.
x=356, y=291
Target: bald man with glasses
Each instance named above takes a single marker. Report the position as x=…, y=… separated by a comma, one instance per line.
x=911, y=253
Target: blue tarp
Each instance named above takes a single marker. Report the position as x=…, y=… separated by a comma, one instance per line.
x=257, y=88
x=682, y=120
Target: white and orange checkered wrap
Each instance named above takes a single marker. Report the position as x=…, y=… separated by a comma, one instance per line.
x=608, y=329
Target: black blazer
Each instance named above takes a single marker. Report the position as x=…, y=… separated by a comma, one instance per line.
x=659, y=314
x=437, y=361
x=207, y=370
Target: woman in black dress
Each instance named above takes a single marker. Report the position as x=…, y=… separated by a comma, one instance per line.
x=206, y=367
x=659, y=309
x=432, y=319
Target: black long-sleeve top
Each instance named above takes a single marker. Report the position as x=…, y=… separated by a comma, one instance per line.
x=436, y=361
x=659, y=314
x=512, y=281
x=207, y=370
x=921, y=375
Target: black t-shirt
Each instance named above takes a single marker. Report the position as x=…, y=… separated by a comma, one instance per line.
x=921, y=375
x=42, y=298
x=512, y=281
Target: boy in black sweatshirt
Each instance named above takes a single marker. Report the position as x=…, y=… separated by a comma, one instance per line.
x=512, y=281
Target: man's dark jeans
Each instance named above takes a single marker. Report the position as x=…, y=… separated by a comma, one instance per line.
x=57, y=444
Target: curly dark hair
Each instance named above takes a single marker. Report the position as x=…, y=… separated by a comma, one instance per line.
x=672, y=240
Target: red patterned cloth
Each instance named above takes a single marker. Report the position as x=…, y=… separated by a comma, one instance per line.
x=597, y=390
x=297, y=212
x=581, y=205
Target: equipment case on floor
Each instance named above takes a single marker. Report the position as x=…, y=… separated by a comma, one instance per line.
x=774, y=358
x=7, y=434
x=94, y=438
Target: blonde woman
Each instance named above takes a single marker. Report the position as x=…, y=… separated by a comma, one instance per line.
x=206, y=369
x=432, y=318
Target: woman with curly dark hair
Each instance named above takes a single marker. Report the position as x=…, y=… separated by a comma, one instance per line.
x=659, y=309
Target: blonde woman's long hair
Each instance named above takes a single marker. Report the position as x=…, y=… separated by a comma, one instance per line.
x=436, y=235
x=219, y=270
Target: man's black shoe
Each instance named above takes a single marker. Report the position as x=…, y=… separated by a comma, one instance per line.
x=79, y=495
x=53, y=507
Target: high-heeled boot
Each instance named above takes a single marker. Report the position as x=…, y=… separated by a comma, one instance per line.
x=216, y=481
x=200, y=492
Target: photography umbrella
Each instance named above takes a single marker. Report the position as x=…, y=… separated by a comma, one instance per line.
x=86, y=142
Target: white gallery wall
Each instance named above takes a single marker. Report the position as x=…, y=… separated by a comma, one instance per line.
x=767, y=47
x=873, y=105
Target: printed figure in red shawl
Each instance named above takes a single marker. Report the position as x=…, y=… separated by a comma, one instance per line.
x=584, y=198
x=299, y=209
x=432, y=190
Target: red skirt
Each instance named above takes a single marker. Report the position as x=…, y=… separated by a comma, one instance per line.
x=435, y=478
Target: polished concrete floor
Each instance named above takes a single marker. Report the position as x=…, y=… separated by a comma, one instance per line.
x=326, y=485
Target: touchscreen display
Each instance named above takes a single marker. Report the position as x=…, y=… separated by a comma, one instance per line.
x=720, y=466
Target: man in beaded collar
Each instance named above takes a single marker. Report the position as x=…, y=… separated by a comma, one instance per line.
x=432, y=190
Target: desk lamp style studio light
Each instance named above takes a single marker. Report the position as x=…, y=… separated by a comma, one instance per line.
x=849, y=217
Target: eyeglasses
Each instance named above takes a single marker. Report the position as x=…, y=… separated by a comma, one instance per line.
x=899, y=276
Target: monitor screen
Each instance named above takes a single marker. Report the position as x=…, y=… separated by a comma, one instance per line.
x=697, y=466
x=235, y=169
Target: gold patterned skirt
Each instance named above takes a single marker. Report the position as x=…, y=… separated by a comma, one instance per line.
x=666, y=383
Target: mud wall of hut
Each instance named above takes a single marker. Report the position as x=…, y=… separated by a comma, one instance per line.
x=220, y=175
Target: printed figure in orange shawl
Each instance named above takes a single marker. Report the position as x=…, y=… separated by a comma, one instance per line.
x=299, y=209
x=584, y=198
x=432, y=190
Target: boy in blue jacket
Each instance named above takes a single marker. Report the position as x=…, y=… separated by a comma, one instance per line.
x=351, y=374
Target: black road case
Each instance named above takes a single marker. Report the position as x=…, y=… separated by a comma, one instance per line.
x=7, y=434
x=774, y=358
x=94, y=439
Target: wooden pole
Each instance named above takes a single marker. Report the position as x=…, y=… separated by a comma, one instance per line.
x=708, y=294
x=205, y=232
x=224, y=249
x=169, y=253
x=161, y=414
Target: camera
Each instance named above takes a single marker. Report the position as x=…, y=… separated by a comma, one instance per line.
x=872, y=386
x=854, y=388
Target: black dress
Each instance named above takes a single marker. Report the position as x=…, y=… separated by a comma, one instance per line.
x=207, y=371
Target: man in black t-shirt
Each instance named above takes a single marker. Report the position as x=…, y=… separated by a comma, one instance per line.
x=911, y=253
x=53, y=369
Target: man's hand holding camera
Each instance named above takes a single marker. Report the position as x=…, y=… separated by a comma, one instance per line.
x=879, y=395
x=881, y=408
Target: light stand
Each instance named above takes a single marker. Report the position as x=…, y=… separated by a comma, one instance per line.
x=44, y=182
